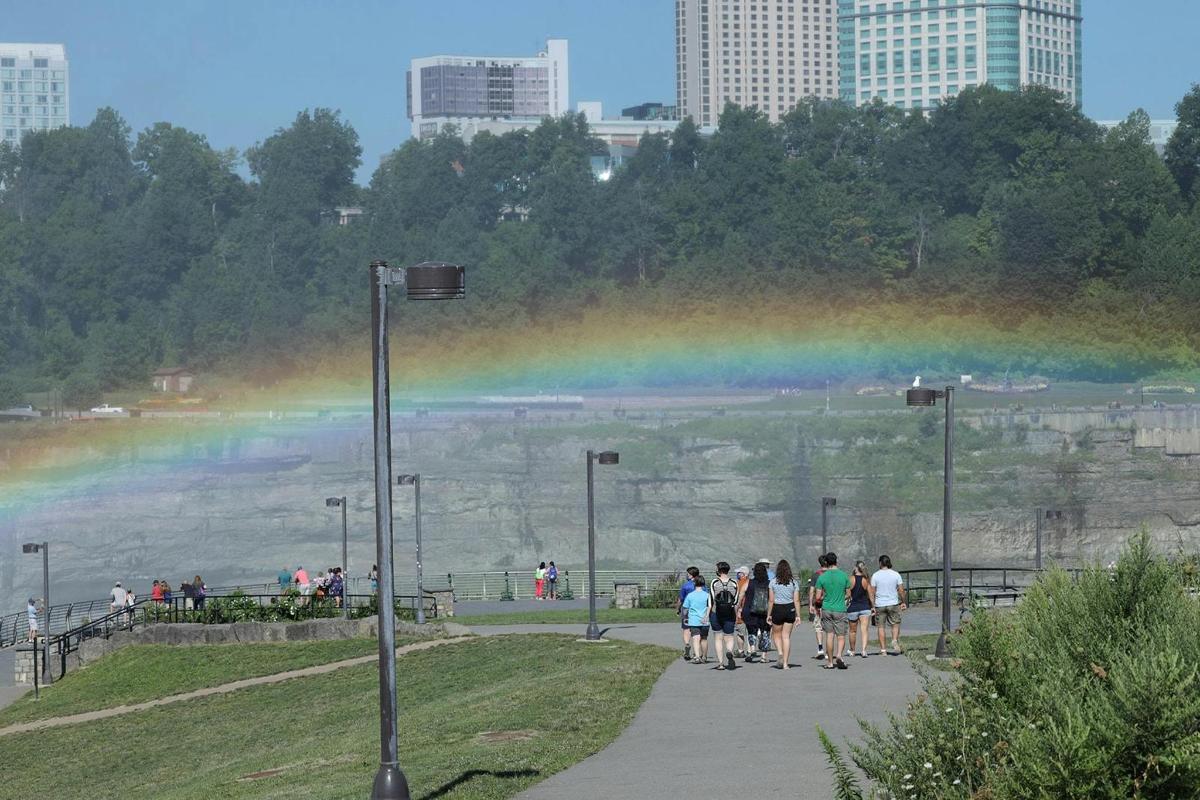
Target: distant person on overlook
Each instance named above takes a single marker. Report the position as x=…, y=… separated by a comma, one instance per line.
x=189, y=594
x=539, y=580
x=31, y=611
x=890, y=602
x=337, y=587
x=552, y=580
x=689, y=584
x=199, y=593
x=285, y=580
x=166, y=592
x=373, y=578
x=156, y=593
x=301, y=580
x=117, y=598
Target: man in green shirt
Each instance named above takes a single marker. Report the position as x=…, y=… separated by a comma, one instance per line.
x=833, y=592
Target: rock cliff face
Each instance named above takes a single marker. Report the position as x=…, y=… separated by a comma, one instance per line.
x=500, y=494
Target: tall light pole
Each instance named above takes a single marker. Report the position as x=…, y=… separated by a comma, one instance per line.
x=606, y=457
x=826, y=504
x=415, y=482
x=340, y=502
x=928, y=397
x=428, y=281
x=44, y=549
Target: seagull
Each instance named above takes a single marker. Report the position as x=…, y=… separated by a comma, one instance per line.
x=917, y=382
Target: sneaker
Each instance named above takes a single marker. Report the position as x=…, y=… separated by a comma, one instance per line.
x=687, y=653
x=840, y=664
x=729, y=661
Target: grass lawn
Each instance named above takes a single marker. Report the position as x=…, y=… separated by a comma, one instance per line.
x=571, y=616
x=480, y=719
x=143, y=672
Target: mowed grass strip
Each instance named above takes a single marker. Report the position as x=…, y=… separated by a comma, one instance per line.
x=142, y=672
x=480, y=719
x=571, y=616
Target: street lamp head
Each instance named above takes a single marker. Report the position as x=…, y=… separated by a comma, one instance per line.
x=921, y=397
x=829, y=501
x=406, y=480
x=608, y=457
x=434, y=280
x=333, y=502
x=30, y=547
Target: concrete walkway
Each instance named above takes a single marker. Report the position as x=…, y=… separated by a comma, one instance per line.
x=320, y=669
x=768, y=740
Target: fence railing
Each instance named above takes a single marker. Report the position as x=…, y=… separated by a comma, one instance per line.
x=519, y=584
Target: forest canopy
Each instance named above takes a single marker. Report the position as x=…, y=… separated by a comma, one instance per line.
x=121, y=253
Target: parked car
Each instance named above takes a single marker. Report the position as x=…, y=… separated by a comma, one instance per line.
x=107, y=409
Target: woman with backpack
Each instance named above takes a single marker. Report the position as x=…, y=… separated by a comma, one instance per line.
x=725, y=598
x=858, y=612
x=756, y=602
x=783, y=591
x=199, y=592
x=552, y=579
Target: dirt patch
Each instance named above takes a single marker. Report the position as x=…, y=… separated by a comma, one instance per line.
x=277, y=771
x=494, y=737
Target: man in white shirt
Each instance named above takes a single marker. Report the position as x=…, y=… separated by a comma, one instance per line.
x=118, y=598
x=890, y=600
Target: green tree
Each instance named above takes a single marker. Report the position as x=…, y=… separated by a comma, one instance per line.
x=1183, y=149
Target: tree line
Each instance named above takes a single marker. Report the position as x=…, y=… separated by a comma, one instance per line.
x=123, y=253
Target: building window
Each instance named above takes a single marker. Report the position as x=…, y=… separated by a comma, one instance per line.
x=40, y=63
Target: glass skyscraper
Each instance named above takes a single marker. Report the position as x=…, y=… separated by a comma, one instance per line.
x=34, y=89
x=913, y=53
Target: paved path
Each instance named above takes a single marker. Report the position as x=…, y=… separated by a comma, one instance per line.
x=672, y=747
x=320, y=669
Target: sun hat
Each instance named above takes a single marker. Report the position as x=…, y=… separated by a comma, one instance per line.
x=742, y=570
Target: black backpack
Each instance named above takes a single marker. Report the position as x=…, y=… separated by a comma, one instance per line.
x=761, y=599
x=725, y=595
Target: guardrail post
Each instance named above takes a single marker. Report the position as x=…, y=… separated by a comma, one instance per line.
x=508, y=595
x=937, y=594
x=970, y=584
x=1004, y=580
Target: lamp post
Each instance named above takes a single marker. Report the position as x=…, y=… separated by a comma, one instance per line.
x=340, y=502
x=44, y=549
x=428, y=281
x=826, y=504
x=606, y=457
x=928, y=397
x=1041, y=514
x=415, y=482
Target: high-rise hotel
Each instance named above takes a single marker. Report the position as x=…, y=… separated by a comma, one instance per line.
x=913, y=53
x=34, y=91
x=766, y=54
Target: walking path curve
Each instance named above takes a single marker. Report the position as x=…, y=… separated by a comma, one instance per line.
x=755, y=726
x=320, y=669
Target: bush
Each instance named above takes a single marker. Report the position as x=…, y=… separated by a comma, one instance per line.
x=664, y=593
x=1089, y=689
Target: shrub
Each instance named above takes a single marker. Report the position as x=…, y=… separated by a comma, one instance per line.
x=1089, y=689
x=663, y=593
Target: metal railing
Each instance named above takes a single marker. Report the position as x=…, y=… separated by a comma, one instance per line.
x=969, y=584
x=519, y=584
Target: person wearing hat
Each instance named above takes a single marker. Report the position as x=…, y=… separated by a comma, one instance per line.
x=117, y=598
x=740, y=644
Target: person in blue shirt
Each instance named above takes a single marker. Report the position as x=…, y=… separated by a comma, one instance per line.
x=698, y=606
x=285, y=580
x=684, y=591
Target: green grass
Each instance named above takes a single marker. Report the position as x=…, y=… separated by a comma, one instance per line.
x=571, y=617
x=138, y=673
x=571, y=699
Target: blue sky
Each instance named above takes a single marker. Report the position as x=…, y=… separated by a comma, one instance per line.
x=235, y=70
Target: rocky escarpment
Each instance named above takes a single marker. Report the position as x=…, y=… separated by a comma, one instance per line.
x=501, y=494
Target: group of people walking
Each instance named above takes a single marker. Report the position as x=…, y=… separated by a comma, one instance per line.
x=754, y=611
x=193, y=592
x=329, y=583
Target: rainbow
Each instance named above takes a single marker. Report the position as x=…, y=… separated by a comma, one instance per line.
x=774, y=342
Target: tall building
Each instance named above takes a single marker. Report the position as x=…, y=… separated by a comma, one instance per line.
x=913, y=53
x=766, y=54
x=34, y=95
x=464, y=90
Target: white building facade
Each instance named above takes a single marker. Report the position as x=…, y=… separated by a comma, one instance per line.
x=914, y=53
x=764, y=54
x=466, y=91
x=34, y=89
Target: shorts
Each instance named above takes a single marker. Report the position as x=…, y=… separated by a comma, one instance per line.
x=783, y=614
x=740, y=630
x=725, y=626
x=854, y=615
x=699, y=630
x=888, y=615
x=756, y=623
x=683, y=619
x=834, y=622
